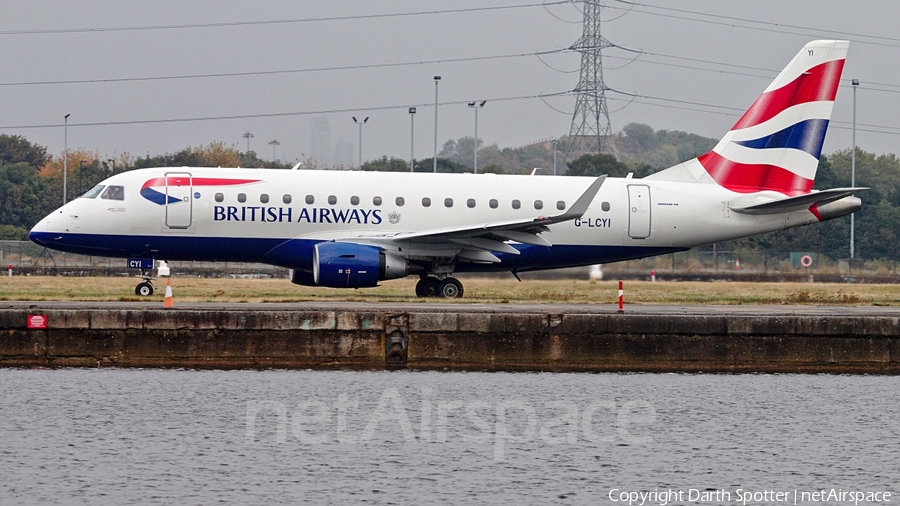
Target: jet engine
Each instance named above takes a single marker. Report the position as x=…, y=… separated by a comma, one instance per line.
x=350, y=265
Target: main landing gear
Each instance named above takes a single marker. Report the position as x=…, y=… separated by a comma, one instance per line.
x=145, y=287
x=431, y=286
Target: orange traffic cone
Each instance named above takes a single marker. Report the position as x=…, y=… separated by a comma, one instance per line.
x=169, y=301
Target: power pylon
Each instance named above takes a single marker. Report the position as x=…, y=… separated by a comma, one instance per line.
x=591, y=131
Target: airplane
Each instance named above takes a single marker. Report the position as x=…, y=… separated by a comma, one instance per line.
x=353, y=229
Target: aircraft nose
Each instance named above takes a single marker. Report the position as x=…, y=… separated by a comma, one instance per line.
x=43, y=231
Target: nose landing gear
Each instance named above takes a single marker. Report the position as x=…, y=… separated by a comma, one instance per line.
x=145, y=287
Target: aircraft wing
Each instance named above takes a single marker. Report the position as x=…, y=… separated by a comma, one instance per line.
x=479, y=239
x=798, y=203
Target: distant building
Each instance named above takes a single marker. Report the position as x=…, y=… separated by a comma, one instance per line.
x=321, y=142
x=345, y=155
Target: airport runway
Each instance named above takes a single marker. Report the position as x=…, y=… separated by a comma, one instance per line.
x=437, y=307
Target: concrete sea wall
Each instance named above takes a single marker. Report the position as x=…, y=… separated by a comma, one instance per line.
x=453, y=337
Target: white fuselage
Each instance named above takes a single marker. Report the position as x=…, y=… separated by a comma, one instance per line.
x=248, y=214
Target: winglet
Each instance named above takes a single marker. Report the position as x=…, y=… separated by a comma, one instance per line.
x=579, y=207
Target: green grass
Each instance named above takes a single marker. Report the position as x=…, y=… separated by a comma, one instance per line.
x=477, y=290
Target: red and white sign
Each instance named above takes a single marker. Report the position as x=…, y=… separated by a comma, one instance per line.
x=37, y=321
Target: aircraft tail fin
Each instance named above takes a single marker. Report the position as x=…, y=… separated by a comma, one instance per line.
x=776, y=144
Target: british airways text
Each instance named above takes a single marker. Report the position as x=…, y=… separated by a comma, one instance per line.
x=286, y=214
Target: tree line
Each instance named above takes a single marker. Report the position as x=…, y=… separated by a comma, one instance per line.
x=31, y=181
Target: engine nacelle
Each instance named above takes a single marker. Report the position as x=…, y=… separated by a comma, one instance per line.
x=299, y=277
x=349, y=265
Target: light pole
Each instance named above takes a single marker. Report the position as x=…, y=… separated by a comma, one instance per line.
x=412, y=118
x=248, y=136
x=555, y=144
x=274, y=143
x=80, y=176
x=65, y=155
x=437, y=79
x=476, y=106
x=360, y=123
x=855, y=83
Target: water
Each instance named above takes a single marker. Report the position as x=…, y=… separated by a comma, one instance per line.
x=118, y=436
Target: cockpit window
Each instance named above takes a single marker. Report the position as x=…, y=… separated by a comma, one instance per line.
x=93, y=192
x=114, y=193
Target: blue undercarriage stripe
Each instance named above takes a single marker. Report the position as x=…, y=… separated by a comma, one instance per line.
x=298, y=253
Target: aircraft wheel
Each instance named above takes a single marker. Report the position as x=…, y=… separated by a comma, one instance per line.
x=427, y=287
x=450, y=288
x=144, y=290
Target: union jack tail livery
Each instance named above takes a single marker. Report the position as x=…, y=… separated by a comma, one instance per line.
x=776, y=144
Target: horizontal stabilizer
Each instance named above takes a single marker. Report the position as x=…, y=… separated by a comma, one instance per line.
x=798, y=203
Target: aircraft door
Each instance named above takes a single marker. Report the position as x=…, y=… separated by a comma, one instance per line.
x=179, y=200
x=638, y=211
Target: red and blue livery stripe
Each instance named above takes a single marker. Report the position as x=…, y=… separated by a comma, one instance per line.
x=777, y=142
x=159, y=197
x=808, y=136
x=819, y=83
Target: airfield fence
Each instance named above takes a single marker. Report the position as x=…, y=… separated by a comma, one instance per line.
x=28, y=258
x=705, y=263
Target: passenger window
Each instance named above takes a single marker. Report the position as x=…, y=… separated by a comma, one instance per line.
x=470, y=202
x=242, y=197
x=493, y=203
x=605, y=206
x=264, y=198
x=516, y=204
x=426, y=202
x=220, y=197
x=310, y=199
x=286, y=199
x=399, y=201
x=114, y=193
x=538, y=204
x=93, y=192
x=332, y=199
x=354, y=200
x=560, y=205
x=376, y=201
x=448, y=202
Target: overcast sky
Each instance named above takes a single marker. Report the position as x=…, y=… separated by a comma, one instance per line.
x=711, y=59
